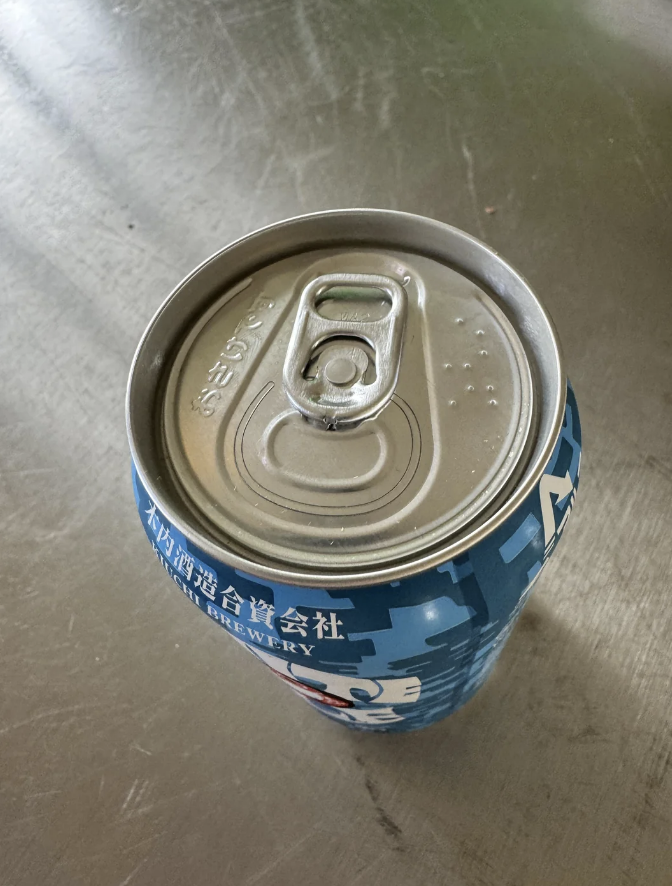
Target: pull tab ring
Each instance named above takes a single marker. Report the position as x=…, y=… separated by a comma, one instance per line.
x=359, y=374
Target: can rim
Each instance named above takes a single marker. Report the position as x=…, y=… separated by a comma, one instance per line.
x=382, y=574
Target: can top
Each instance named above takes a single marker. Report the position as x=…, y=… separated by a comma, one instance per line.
x=347, y=405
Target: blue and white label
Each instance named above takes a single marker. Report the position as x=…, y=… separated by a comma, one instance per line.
x=388, y=657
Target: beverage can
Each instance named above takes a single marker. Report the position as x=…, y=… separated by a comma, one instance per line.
x=354, y=447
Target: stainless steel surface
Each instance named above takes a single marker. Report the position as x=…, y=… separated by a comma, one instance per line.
x=137, y=746
x=212, y=477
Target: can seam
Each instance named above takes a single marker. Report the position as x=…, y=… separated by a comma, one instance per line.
x=395, y=571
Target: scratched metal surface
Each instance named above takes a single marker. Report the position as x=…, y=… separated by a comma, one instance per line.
x=137, y=744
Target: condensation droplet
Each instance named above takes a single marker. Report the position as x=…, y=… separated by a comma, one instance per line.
x=452, y=402
x=470, y=387
x=483, y=353
x=479, y=332
x=459, y=320
x=489, y=388
x=467, y=365
x=447, y=365
x=492, y=402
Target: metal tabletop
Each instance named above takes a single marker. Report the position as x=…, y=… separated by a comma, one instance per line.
x=138, y=745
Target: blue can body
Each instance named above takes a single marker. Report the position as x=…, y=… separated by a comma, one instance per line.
x=392, y=657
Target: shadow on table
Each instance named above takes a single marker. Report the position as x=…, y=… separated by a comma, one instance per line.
x=551, y=774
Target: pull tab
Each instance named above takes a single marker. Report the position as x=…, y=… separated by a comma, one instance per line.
x=343, y=358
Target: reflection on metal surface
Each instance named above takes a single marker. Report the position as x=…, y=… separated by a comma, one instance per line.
x=137, y=137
